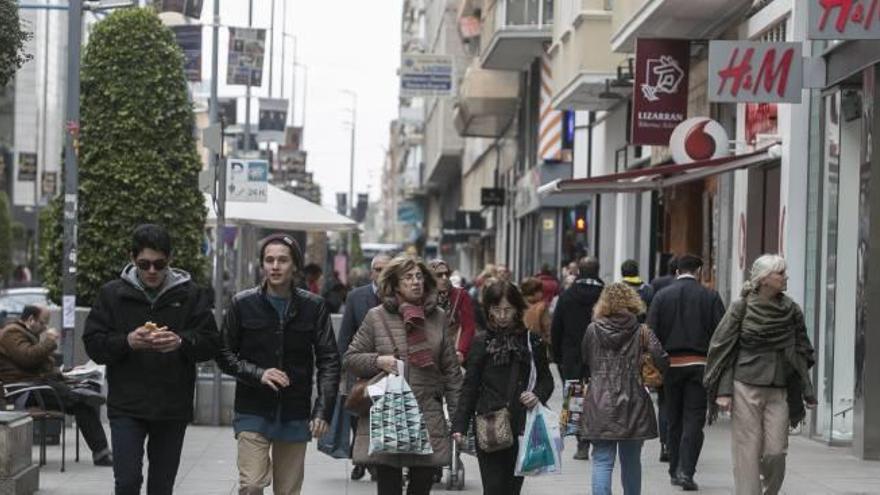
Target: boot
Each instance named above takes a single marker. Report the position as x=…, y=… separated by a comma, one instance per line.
x=358, y=472
x=583, y=451
x=664, y=453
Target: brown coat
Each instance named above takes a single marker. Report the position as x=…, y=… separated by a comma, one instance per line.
x=24, y=356
x=430, y=385
x=617, y=406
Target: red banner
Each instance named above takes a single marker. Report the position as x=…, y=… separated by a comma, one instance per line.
x=660, y=94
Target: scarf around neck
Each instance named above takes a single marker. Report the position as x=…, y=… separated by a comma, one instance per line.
x=506, y=344
x=418, y=347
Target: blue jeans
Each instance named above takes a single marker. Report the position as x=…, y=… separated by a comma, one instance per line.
x=164, y=441
x=604, y=452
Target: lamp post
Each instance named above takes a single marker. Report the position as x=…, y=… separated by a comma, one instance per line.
x=353, y=124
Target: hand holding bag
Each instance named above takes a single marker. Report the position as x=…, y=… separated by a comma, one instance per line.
x=358, y=401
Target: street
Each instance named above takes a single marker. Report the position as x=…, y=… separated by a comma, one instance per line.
x=208, y=468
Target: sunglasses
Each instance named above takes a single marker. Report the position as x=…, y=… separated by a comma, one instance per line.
x=144, y=265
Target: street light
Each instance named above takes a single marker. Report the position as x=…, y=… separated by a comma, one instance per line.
x=353, y=123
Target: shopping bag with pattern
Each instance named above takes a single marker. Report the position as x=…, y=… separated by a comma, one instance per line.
x=396, y=422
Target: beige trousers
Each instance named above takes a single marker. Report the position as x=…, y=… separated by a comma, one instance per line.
x=257, y=469
x=760, y=438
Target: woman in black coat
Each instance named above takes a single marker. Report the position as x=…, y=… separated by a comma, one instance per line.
x=498, y=375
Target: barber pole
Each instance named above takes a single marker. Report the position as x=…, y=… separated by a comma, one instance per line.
x=550, y=128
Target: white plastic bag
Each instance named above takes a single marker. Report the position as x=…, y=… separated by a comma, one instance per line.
x=540, y=445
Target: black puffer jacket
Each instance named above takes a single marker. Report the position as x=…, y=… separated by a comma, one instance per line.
x=617, y=406
x=147, y=384
x=487, y=386
x=254, y=340
x=574, y=311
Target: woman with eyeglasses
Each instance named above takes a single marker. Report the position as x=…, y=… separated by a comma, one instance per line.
x=458, y=307
x=498, y=377
x=409, y=326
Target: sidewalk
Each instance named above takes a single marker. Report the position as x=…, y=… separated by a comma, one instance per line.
x=208, y=468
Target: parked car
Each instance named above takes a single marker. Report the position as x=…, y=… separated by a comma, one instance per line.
x=12, y=301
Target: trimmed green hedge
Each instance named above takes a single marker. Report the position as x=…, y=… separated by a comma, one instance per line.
x=12, y=39
x=138, y=159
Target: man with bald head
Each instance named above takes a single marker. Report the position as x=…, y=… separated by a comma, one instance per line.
x=27, y=348
x=358, y=303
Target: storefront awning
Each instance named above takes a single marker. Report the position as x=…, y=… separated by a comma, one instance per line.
x=659, y=177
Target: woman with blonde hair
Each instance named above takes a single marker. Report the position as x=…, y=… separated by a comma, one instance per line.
x=758, y=368
x=409, y=326
x=618, y=412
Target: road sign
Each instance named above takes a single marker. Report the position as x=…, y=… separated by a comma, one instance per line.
x=426, y=75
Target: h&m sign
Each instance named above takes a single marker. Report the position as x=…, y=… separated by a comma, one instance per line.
x=755, y=72
x=844, y=19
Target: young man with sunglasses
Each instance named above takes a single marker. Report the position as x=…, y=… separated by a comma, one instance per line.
x=150, y=327
x=275, y=337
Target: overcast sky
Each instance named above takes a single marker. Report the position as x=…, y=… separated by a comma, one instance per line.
x=346, y=44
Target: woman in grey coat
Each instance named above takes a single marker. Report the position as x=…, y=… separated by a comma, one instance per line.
x=758, y=368
x=618, y=412
x=417, y=331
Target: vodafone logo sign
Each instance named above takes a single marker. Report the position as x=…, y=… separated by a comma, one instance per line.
x=698, y=138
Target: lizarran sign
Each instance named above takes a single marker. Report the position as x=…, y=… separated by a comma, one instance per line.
x=843, y=19
x=660, y=96
x=755, y=72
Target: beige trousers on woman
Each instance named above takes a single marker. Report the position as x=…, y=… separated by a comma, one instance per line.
x=760, y=438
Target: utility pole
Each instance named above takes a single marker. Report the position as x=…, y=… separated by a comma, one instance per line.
x=71, y=182
x=272, y=47
x=219, y=167
x=283, y=42
x=247, y=98
x=351, y=165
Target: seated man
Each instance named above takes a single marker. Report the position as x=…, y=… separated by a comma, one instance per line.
x=26, y=355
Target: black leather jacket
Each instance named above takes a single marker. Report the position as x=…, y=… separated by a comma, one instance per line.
x=254, y=340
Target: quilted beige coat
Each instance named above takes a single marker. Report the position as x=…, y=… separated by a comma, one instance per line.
x=430, y=385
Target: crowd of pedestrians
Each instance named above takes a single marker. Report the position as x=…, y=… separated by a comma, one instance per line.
x=472, y=354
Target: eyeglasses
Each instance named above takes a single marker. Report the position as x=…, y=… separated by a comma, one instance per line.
x=413, y=278
x=496, y=311
x=144, y=265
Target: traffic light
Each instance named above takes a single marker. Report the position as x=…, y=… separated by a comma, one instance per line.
x=580, y=224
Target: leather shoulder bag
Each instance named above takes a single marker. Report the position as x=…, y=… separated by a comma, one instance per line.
x=651, y=376
x=493, y=428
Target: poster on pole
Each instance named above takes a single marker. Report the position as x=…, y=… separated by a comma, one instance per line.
x=247, y=48
x=189, y=38
x=248, y=180
x=49, y=185
x=273, y=119
x=426, y=75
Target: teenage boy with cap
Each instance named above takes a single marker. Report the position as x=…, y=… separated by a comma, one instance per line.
x=150, y=327
x=274, y=336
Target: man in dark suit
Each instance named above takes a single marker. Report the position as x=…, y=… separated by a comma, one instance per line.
x=358, y=303
x=684, y=317
x=573, y=314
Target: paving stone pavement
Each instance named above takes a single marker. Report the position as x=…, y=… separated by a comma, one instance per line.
x=208, y=468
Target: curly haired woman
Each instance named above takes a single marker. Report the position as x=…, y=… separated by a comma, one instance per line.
x=618, y=412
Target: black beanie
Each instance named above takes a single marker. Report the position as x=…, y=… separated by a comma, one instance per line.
x=288, y=241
